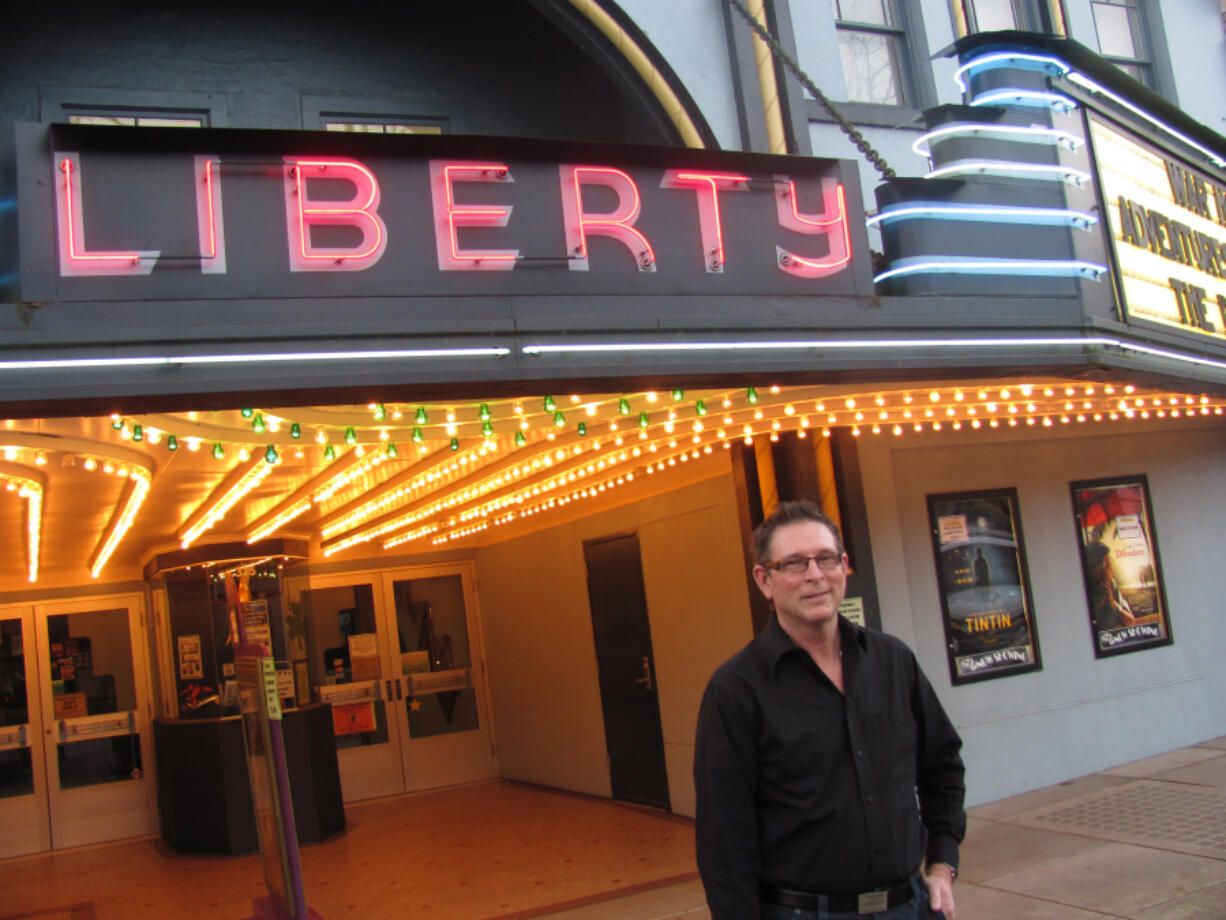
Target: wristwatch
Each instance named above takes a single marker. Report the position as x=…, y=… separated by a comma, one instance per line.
x=953, y=870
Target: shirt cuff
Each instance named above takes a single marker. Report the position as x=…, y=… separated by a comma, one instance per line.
x=943, y=848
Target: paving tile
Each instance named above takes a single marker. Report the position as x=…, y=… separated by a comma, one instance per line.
x=1206, y=904
x=1205, y=773
x=992, y=849
x=1070, y=789
x=977, y=902
x=1116, y=879
x=1171, y=760
x=1173, y=816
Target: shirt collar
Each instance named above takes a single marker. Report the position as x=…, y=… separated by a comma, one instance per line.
x=775, y=643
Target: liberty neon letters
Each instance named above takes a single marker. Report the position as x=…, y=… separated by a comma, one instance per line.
x=585, y=193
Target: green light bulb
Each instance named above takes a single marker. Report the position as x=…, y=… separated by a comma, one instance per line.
x=520, y=440
x=380, y=412
x=487, y=429
x=422, y=418
x=559, y=419
x=247, y=413
x=418, y=437
x=751, y=396
x=623, y=406
x=329, y=453
x=678, y=395
x=700, y=408
x=257, y=424
x=350, y=436
x=391, y=451
x=643, y=423
x=270, y=454
x=295, y=431
x=172, y=443
x=138, y=433
x=549, y=404
x=583, y=429
x=455, y=443
x=218, y=453
x=485, y=412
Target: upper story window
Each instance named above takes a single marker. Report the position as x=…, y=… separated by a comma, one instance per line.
x=382, y=126
x=1122, y=39
x=973, y=16
x=89, y=105
x=139, y=120
x=872, y=48
x=994, y=15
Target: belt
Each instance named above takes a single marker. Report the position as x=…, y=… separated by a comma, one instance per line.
x=868, y=902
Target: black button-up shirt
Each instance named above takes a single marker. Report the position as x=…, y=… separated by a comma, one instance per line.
x=801, y=786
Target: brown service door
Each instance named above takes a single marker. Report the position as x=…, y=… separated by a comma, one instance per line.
x=628, y=692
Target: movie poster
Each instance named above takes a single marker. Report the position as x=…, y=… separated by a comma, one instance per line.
x=1119, y=558
x=985, y=593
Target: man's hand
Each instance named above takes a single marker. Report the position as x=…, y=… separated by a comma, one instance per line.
x=940, y=881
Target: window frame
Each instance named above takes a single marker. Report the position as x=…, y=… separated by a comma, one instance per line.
x=918, y=85
x=898, y=33
x=1147, y=25
x=318, y=110
x=57, y=104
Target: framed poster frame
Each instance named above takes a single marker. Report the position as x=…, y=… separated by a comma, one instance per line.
x=984, y=584
x=1125, y=590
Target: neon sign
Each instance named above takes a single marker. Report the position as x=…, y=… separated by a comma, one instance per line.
x=338, y=217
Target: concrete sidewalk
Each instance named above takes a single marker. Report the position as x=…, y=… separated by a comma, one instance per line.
x=1144, y=841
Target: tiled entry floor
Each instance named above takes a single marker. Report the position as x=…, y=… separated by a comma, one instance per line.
x=1089, y=849
x=493, y=850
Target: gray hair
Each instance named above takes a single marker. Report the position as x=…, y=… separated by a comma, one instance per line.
x=790, y=513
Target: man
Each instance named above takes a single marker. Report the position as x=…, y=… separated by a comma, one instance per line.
x=826, y=770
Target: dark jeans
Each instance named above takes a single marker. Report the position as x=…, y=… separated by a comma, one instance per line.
x=916, y=909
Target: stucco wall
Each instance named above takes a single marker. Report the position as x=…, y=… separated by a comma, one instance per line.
x=1078, y=714
x=540, y=647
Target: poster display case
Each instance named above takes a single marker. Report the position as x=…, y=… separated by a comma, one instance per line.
x=986, y=604
x=1123, y=574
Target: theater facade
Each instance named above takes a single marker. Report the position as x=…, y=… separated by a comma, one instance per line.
x=457, y=370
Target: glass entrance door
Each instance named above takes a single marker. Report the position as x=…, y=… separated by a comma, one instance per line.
x=25, y=824
x=96, y=738
x=74, y=725
x=346, y=626
x=440, y=690
x=398, y=656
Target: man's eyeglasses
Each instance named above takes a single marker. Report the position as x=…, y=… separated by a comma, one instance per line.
x=798, y=565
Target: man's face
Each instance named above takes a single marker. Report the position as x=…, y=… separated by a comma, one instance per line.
x=810, y=599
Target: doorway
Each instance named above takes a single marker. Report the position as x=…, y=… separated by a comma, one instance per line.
x=398, y=654
x=629, y=696
x=75, y=742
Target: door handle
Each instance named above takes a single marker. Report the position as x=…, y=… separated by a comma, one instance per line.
x=645, y=680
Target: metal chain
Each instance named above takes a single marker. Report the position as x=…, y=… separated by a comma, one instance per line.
x=849, y=129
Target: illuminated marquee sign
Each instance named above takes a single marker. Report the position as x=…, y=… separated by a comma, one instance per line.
x=1168, y=226
x=419, y=219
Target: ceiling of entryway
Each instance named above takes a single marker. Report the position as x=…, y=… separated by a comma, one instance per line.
x=94, y=498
